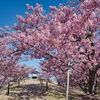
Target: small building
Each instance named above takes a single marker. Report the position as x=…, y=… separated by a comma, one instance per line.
x=34, y=75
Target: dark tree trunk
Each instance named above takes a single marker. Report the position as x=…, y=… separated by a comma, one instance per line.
x=92, y=82
x=58, y=82
x=46, y=84
x=8, y=89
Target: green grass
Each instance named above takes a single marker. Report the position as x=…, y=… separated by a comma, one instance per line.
x=98, y=92
x=71, y=98
x=61, y=97
x=56, y=96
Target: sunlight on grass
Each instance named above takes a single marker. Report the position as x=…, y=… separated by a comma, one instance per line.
x=56, y=96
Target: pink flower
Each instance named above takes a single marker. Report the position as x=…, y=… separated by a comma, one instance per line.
x=20, y=19
x=30, y=8
x=53, y=8
x=7, y=27
x=1, y=29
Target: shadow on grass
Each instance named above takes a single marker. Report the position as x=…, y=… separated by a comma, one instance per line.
x=73, y=95
x=56, y=92
x=27, y=91
x=77, y=96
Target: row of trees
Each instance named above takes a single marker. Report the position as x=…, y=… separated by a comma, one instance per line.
x=10, y=69
x=67, y=37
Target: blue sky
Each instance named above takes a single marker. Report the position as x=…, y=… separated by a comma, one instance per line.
x=9, y=9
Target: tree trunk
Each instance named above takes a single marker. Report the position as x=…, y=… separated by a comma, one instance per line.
x=41, y=82
x=46, y=84
x=92, y=81
x=18, y=82
x=8, y=89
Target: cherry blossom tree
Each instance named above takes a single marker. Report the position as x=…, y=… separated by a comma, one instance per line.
x=9, y=59
x=65, y=35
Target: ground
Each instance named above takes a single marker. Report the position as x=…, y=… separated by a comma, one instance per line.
x=32, y=90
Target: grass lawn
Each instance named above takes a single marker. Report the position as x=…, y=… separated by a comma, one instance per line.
x=32, y=90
